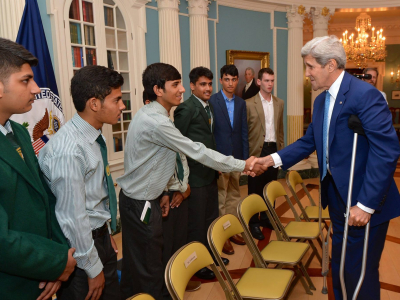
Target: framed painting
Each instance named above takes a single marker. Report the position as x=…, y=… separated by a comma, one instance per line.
x=395, y=95
x=243, y=60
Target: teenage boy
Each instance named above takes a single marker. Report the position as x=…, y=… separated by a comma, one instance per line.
x=34, y=252
x=75, y=166
x=194, y=119
x=151, y=156
x=231, y=136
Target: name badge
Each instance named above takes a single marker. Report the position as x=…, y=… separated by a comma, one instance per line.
x=192, y=257
x=226, y=225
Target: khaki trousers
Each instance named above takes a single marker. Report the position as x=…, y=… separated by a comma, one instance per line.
x=228, y=193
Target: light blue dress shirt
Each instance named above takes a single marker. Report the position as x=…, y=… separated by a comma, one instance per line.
x=230, y=106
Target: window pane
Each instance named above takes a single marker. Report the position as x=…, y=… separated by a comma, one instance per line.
x=118, y=142
x=109, y=16
x=89, y=35
x=77, y=57
x=108, y=2
x=122, y=44
x=111, y=59
x=127, y=116
x=126, y=125
x=126, y=98
x=123, y=61
x=75, y=33
x=87, y=11
x=126, y=85
x=110, y=39
x=91, y=59
x=120, y=19
x=74, y=10
x=116, y=127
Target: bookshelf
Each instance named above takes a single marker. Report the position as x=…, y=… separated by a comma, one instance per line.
x=99, y=36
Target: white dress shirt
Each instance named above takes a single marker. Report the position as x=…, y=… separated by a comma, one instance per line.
x=268, y=107
x=248, y=85
x=333, y=91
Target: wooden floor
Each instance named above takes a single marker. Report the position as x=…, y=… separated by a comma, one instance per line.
x=389, y=268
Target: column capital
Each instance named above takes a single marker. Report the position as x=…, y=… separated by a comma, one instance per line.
x=295, y=15
x=320, y=17
x=168, y=4
x=198, y=7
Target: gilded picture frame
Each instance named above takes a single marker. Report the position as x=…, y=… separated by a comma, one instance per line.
x=243, y=59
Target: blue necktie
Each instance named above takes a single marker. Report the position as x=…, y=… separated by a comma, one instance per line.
x=325, y=134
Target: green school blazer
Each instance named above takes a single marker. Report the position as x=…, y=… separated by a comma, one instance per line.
x=32, y=246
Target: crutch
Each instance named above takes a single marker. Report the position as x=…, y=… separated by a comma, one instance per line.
x=325, y=246
x=354, y=124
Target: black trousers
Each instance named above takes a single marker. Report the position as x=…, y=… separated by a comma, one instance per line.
x=142, y=266
x=203, y=210
x=77, y=288
x=174, y=234
x=256, y=184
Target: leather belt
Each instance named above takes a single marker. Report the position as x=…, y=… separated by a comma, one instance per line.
x=99, y=232
x=270, y=144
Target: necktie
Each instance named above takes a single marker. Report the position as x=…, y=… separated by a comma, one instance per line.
x=10, y=136
x=325, y=135
x=209, y=115
x=179, y=167
x=110, y=184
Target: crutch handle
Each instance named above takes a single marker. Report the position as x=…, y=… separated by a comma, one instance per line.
x=354, y=124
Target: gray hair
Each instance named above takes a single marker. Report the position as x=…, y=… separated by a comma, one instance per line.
x=325, y=48
x=371, y=69
x=250, y=69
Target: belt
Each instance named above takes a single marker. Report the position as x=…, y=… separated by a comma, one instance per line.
x=99, y=232
x=270, y=144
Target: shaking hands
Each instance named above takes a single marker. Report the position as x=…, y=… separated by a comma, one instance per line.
x=257, y=165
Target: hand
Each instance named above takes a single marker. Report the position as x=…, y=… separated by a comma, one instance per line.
x=96, y=286
x=176, y=200
x=164, y=204
x=114, y=244
x=358, y=217
x=249, y=162
x=253, y=167
x=51, y=288
x=69, y=268
x=187, y=192
x=266, y=161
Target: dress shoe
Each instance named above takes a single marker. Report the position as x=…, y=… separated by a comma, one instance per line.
x=205, y=274
x=256, y=232
x=237, y=239
x=224, y=260
x=266, y=224
x=193, y=286
x=228, y=248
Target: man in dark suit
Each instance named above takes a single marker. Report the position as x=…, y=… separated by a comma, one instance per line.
x=251, y=88
x=375, y=197
x=195, y=119
x=34, y=252
x=231, y=137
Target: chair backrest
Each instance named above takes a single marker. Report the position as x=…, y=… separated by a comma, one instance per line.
x=219, y=231
x=292, y=180
x=141, y=297
x=250, y=206
x=183, y=265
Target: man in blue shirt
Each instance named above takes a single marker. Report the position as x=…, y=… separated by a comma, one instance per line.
x=231, y=136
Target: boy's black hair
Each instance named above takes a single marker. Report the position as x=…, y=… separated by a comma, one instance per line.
x=93, y=82
x=229, y=70
x=158, y=74
x=145, y=97
x=198, y=72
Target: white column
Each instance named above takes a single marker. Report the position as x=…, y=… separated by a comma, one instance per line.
x=320, y=17
x=169, y=34
x=10, y=18
x=199, y=39
x=295, y=101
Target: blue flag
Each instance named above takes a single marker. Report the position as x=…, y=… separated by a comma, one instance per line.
x=46, y=116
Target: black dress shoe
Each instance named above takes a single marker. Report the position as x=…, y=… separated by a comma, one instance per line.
x=256, y=233
x=266, y=224
x=224, y=260
x=205, y=274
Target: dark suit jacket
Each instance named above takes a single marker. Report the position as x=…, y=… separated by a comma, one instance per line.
x=191, y=119
x=251, y=91
x=32, y=246
x=230, y=141
x=377, y=153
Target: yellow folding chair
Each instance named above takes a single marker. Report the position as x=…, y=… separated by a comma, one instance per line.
x=141, y=297
x=184, y=264
x=308, y=213
x=280, y=252
x=297, y=229
x=256, y=283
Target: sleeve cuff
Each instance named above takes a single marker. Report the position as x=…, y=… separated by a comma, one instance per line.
x=95, y=270
x=366, y=209
x=109, y=227
x=277, y=160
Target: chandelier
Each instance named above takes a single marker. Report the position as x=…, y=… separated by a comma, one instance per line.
x=364, y=48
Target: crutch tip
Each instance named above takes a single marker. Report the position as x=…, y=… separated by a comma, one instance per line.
x=324, y=291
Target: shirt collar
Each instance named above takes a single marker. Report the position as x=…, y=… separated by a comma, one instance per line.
x=262, y=98
x=201, y=101
x=158, y=108
x=251, y=81
x=6, y=128
x=334, y=89
x=226, y=98
x=88, y=131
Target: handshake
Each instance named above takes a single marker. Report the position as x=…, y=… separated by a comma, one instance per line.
x=257, y=165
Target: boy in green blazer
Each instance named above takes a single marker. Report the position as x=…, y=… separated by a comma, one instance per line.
x=34, y=255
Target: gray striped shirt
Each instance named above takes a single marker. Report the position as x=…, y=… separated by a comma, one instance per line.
x=73, y=167
x=150, y=153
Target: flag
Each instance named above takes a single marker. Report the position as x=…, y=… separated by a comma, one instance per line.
x=46, y=116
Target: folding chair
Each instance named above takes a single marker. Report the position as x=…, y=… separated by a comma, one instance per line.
x=282, y=253
x=308, y=213
x=256, y=283
x=141, y=297
x=297, y=229
x=184, y=264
